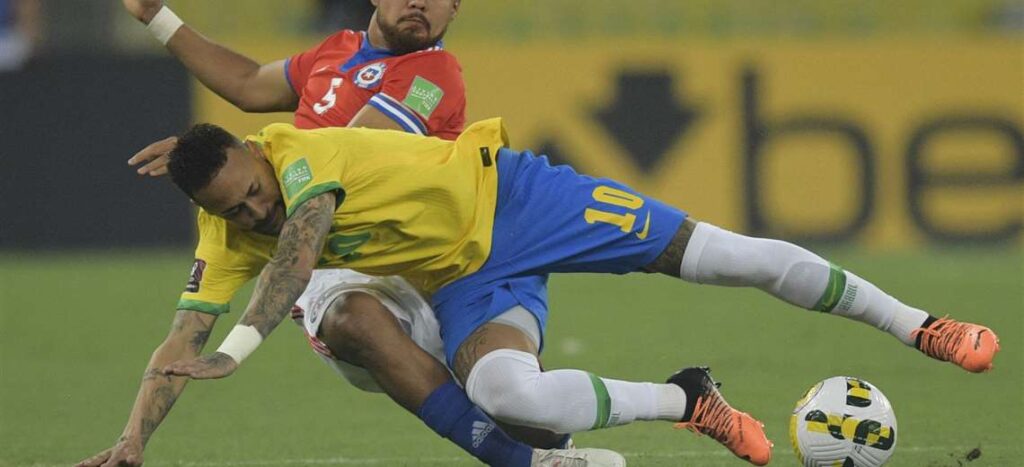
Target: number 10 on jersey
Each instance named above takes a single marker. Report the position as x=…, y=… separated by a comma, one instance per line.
x=615, y=197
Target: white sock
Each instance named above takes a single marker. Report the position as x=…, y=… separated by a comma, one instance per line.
x=719, y=257
x=509, y=385
x=631, y=401
x=869, y=304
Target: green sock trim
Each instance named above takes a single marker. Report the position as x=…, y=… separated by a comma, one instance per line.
x=834, y=290
x=604, y=402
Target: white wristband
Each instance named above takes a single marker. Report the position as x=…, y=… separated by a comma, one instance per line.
x=164, y=25
x=241, y=341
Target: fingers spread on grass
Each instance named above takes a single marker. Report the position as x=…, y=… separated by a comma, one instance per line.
x=96, y=460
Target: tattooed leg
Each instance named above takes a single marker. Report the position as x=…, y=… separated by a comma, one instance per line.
x=669, y=260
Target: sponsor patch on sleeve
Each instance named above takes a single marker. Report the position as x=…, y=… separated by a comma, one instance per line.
x=423, y=96
x=196, y=276
x=295, y=177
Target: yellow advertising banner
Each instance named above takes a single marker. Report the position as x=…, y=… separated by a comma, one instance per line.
x=882, y=143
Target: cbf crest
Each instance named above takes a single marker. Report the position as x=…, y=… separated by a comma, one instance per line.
x=370, y=75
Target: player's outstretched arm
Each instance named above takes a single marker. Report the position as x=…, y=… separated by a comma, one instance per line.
x=280, y=284
x=248, y=85
x=158, y=391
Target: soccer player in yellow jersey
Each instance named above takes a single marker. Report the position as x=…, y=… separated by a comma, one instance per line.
x=478, y=228
x=395, y=74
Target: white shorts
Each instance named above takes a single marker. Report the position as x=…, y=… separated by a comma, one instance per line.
x=330, y=286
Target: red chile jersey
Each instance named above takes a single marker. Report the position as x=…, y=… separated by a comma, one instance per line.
x=422, y=91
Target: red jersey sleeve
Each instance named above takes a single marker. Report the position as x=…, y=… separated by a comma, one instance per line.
x=425, y=89
x=298, y=67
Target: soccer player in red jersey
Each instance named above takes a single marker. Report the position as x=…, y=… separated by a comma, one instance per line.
x=395, y=75
x=346, y=79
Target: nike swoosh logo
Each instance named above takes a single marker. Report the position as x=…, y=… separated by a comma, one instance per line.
x=642, y=235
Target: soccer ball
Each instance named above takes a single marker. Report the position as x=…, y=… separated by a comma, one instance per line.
x=843, y=422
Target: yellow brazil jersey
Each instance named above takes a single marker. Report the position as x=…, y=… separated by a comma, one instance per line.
x=226, y=258
x=418, y=207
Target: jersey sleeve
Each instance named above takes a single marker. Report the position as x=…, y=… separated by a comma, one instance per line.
x=298, y=67
x=424, y=93
x=306, y=164
x=224, y=261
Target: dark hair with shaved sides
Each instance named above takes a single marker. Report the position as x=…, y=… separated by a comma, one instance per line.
x=199, y=155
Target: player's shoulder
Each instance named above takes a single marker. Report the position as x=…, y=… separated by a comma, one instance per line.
x=214, y=230
x=490, y=132
x=343, y=39
x=209, y=223
x=215, y=234
x=433, y=59
x=281, y=136
x=224, y=244
x=276, y=137
x=276, y=130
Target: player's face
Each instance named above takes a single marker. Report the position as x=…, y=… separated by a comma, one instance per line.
x=411, y=25
x=245, y=193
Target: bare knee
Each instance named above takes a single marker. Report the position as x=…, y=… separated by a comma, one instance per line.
x=352, y=327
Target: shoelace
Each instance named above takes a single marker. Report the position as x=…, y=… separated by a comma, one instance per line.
x=712, y=417
x=942, y=338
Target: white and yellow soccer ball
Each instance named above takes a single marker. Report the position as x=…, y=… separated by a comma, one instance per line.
x=843, y=422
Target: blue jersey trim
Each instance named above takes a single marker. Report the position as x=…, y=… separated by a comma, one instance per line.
x=288, y=77
x=366, y=53
x=369, y=53
x=399, y=113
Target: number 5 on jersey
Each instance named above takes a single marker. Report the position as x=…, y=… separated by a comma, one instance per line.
x=615, y=197
x=329, y=99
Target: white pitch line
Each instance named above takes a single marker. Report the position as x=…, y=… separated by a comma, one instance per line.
x=468, y=460
x=307, y=461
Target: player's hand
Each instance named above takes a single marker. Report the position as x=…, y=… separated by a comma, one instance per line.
x=212, y=366
x=154, y=156
x=126, y=453
x=143, y=10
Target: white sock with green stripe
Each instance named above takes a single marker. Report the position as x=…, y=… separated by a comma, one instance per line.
x=719, y=257
x=510, y=386
x=864, y=302
x=622, y=402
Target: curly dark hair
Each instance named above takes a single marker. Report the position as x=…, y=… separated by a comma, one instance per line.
x=198, y=156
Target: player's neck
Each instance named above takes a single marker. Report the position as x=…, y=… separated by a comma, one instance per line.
x=376, y=37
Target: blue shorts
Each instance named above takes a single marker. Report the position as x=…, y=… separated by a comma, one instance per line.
x=551, y=219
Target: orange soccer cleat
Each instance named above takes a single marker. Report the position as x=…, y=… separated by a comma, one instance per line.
x=713, y=416
x=971, y=346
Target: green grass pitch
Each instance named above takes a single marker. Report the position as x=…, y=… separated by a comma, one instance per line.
x=76, y=331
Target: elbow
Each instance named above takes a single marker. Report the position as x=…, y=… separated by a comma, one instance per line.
x=252, y=100
x=247, y=99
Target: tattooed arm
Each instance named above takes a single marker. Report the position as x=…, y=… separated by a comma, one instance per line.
x=280, y=283
x=157, y=392
x=284, y=279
